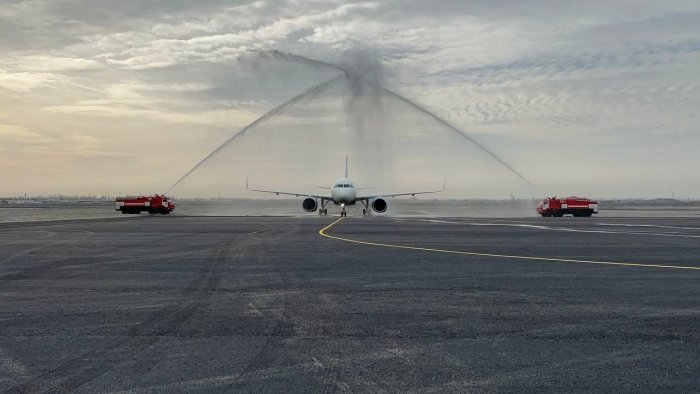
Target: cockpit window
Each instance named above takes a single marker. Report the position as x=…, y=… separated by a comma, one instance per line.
x=346, y=185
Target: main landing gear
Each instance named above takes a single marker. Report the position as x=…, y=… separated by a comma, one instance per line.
x=365, y=210
x=323, y=210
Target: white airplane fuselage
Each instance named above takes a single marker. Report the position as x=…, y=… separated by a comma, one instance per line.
x=343, y=192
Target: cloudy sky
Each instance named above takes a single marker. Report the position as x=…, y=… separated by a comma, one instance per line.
x=110, y=97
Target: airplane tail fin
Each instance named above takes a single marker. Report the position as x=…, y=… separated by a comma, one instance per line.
x=346, y=166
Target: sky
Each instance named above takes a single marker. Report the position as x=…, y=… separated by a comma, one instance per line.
x=598, y=98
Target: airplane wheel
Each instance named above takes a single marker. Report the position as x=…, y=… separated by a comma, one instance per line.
x=364, y=212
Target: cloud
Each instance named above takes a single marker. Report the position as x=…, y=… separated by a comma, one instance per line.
x=14, y=133
x=100, y=108
x=168, y=44
x=524, y=77
x=185, y=87
x=43, y=63
x=24, y=81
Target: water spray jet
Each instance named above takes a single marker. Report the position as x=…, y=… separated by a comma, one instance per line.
x=310, y=92
x=354, y=76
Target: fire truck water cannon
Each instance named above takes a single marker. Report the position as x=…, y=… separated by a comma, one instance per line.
x=151, y=204
x=576, y=206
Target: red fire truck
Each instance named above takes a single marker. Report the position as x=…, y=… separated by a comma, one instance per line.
x=151, y=204
x=558, y=207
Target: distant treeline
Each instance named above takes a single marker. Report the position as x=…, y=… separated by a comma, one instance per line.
x=655, y=202
x=604, y=203
x=58, y=197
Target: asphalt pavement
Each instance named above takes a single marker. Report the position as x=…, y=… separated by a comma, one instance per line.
x=267, y=304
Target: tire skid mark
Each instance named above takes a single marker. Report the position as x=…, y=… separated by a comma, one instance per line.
x=200, y=302
x=11, y=369
x=58, y=263
x=331, y=376
x=282, y=328
x=267, y=355
x=48, y=245
x=90, y=365
x=47, y=263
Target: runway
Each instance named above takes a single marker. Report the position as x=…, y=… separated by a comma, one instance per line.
x=381, y=304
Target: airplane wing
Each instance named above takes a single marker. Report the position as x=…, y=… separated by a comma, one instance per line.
x=402, y=194
x=285, y=193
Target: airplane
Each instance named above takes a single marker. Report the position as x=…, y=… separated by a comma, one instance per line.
x=344, y=193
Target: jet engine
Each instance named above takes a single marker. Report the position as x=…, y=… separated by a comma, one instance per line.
x=379, y=205
x=309, y=204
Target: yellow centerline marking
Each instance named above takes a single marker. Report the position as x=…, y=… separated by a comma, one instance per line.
x=322, y=232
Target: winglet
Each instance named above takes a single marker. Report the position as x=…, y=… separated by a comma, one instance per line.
x=443, y=184
x=246, y=183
